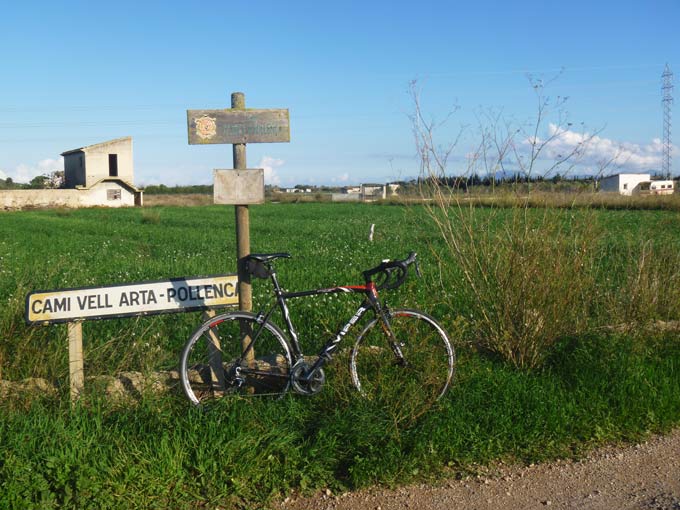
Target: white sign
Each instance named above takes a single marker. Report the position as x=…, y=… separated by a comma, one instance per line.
x=144, y=298
x=239, y=187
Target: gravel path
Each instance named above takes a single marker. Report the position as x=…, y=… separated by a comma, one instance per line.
x=644, y=476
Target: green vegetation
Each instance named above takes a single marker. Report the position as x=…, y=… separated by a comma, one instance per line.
x=9, y=184
x=44, y=181
x=609, y=371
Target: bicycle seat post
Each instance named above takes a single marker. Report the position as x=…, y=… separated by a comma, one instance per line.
x=274, y=280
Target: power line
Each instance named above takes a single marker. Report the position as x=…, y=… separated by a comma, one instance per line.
x=41, y=124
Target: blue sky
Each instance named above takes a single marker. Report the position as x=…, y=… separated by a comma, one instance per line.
x=77, y=73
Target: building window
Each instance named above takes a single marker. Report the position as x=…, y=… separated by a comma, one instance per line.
x=625, y=186
x=113, y=194
x=113, y=165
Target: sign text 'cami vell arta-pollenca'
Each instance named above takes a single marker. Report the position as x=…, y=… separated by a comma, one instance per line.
x=144, y=298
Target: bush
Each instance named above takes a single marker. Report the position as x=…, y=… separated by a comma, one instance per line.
x=529, y=275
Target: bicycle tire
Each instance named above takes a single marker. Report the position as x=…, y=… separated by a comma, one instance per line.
x=212, y=364
x=411, y=388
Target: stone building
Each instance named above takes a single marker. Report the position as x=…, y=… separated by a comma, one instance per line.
x=96, y=175
x=88, y=165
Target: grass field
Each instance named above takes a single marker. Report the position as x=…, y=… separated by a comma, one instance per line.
x=615, y=378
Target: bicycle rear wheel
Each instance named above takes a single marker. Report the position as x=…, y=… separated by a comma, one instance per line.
x=409, y=388
x=212, y=364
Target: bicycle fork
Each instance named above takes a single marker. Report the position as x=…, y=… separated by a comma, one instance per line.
x=383, y=317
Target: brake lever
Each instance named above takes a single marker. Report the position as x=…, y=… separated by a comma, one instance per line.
x=418, y=273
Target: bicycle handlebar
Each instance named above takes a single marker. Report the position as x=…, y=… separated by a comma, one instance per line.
x=391, y=273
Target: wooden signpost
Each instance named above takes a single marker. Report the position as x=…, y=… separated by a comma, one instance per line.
x=239, y=126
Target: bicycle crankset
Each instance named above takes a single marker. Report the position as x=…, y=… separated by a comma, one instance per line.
x=302, y=383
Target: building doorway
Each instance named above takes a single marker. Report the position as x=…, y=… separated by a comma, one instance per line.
x=113, y=165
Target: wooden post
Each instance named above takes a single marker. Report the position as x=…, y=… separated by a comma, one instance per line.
x=215, y=358
x=75, y=359
x=245, y=289
x=239, y=126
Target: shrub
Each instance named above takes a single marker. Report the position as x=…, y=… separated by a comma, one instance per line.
x=529, y=275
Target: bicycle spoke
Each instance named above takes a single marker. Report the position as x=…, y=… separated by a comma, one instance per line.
x=407, y=387
x=213, y=365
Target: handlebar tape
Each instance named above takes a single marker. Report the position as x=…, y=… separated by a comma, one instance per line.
x=387, y=268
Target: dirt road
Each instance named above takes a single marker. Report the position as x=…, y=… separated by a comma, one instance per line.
x=644, y=476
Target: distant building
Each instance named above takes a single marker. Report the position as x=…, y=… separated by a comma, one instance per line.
x=88, y=165
x=665, y=187
x=97, y=175
x=378, y=191
x=636, y=184
x=298, y=190
x=106, y=170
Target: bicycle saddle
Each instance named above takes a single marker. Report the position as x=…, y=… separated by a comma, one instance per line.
x=267, y=257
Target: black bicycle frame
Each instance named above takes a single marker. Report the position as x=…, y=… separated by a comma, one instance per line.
x=371, y=302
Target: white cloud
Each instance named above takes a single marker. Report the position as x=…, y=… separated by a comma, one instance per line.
x=270, y=165
x=341, y=178
x=25, y=172
x=596, y=151
x=3, y=175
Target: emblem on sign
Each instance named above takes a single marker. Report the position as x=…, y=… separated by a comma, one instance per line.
x=206, y=127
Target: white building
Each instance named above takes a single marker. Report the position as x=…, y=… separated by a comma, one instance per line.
x=665, y=187
x=96, y=175
x=376, y=191
x=298, y=190
x=105, y=169
x=635, y=184
x=87, y=165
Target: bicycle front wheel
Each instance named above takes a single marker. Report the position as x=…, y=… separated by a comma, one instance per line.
x=213, y=363
x=409, y=386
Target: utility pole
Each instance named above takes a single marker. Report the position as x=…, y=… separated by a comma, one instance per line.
x=667, y=101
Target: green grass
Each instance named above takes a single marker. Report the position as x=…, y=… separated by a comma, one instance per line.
x=593, y=388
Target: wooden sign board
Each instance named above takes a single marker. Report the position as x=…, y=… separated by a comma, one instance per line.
x=238, y=187
x=128, y=300
x=237, y=126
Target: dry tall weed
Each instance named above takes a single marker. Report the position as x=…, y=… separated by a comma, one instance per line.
x=529, y=274
x=649, y=290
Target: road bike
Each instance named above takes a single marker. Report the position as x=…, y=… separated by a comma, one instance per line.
x=399, y=353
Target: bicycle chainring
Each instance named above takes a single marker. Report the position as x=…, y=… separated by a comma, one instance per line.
x=299, y=382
